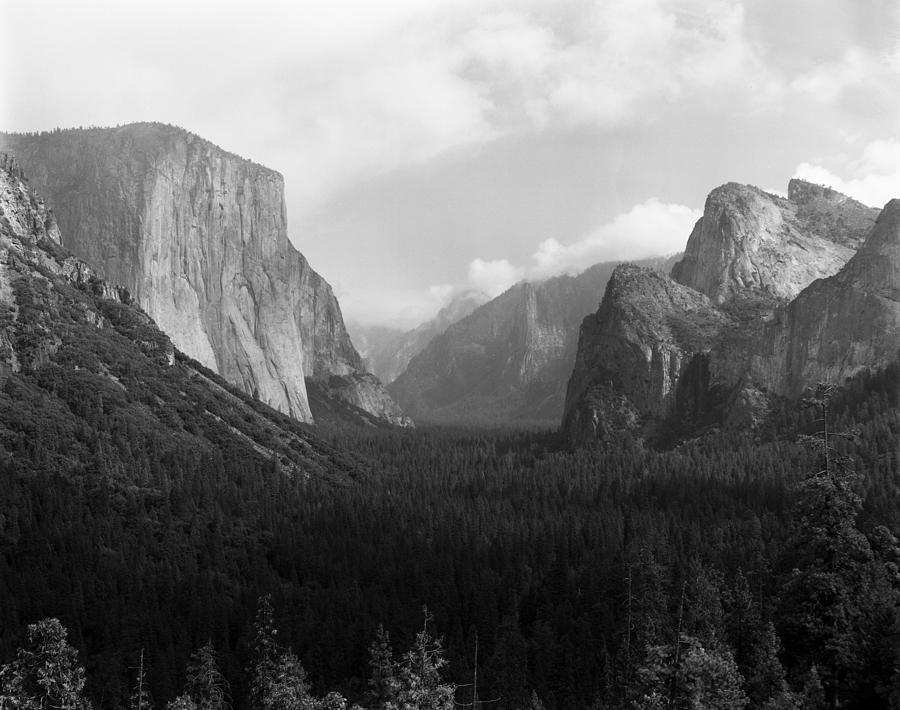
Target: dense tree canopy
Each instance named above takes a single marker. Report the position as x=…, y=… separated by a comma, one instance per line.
x=581, y=572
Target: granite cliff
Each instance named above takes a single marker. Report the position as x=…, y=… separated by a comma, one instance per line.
x=88, y=381
x=509, y=360
x=772, y=295
x=634, y=352
x=750, y=242
x=842, y=324
x=199, y=238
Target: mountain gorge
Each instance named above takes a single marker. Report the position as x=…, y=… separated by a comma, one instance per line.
x=198, y=236
x=509, y=360
x=387, y=351
x=773, y=295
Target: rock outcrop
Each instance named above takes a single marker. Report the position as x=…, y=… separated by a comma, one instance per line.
x=749, y=242
x=636, y=350
x=199, y=237
x=771, y=297
x=509, y=360
x=839, y=325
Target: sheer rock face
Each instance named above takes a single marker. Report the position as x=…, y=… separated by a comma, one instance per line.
x=199, y=236
x=635, y=351
x=751, y=242
x=509, y=360
x=77, y=352
x=24, y=216
x=773, y=297
x=843, y=324
x=32, y=265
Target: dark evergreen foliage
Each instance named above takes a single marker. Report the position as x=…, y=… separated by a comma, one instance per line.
x=579, y=570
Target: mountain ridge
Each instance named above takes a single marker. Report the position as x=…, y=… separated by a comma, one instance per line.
x=765, y=310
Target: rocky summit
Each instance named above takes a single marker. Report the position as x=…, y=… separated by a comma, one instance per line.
x=750, y=242
x=199, y=237
x=772, y=296
x=648, y=332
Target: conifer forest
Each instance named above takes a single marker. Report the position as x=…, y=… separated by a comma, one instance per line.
x=442, y=568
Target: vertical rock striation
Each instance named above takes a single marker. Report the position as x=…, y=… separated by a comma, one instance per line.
x=772, y=295
x=199, y=236
x=839, y=325
x=635, y=350
x=751, y=243
x=508, y=360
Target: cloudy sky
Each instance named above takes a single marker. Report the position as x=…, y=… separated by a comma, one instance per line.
x=435, y=145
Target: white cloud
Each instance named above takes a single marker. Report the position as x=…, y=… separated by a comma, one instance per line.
x=873, y=178
x=857, y=69
x=652, y=228
x=402, y=308
x=493, y=277
x=826, y=82
x=332, y=93
x=465, y=73
x=608, y=63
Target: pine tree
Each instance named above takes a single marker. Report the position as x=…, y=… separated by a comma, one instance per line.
x=265, y=654
x=383, y=683
x=205, y=683
x=419, y=677
x=45, y=673
x=278, y=679
x=289, y=689
x=689, y=676
x=840, y=596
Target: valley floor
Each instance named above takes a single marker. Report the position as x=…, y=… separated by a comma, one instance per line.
x=624, y=577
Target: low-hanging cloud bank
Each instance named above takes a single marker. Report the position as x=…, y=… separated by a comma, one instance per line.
x=652, y=228
x=873, y=178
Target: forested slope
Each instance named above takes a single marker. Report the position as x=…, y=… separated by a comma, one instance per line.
x=570, y=566
x=149, y=506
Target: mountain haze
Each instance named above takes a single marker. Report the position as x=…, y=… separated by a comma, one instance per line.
x=509, y=360
x=387, y=351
